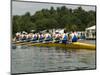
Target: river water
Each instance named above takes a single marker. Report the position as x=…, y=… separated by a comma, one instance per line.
x=45, y=59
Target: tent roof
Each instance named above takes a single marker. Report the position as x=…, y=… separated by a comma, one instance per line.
x=92, y=27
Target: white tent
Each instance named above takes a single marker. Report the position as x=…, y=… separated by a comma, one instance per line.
x=90, y=32
x=93, y=27
x=60, y=30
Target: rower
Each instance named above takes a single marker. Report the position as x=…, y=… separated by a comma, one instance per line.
x=74, y=36
x=64, y=37
x=23, y=37
x=34, y=37
x=57, y=37
x=69, y=38
x=29, y=37
x=41, y=37
x=47, y=37
x=17, y=37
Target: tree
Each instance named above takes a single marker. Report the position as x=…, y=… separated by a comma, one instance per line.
x=71, y=28
x=61, y=17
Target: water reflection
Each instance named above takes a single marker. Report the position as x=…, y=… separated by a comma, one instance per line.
x=40, y=59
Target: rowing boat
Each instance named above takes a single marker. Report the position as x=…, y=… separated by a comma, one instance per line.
x=74, y=45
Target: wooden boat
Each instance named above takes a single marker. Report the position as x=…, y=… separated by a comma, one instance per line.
x=74, y=45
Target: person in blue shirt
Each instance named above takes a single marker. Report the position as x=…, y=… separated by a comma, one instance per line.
x=74, y=36
x=64, y=37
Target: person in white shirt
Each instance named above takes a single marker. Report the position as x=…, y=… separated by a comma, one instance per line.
x=57, y=37
x=47, y=36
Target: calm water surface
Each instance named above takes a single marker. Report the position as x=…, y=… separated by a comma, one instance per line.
x=40, y=59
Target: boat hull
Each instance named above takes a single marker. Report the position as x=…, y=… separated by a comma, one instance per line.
x=74, y=45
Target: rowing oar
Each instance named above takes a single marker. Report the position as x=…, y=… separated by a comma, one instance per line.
x=27, y=43
x=22, y=43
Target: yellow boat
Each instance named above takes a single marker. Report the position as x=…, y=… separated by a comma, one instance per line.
x=75, y=45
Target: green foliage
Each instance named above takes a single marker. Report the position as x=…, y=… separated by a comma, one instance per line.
x=62, y=17
x=71, y=28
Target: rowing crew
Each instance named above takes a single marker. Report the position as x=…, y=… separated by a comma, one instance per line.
x=56, y=37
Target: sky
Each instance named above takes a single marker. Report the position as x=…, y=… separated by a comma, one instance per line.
x=20, y=8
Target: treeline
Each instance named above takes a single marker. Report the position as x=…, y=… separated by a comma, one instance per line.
x=62, y=17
